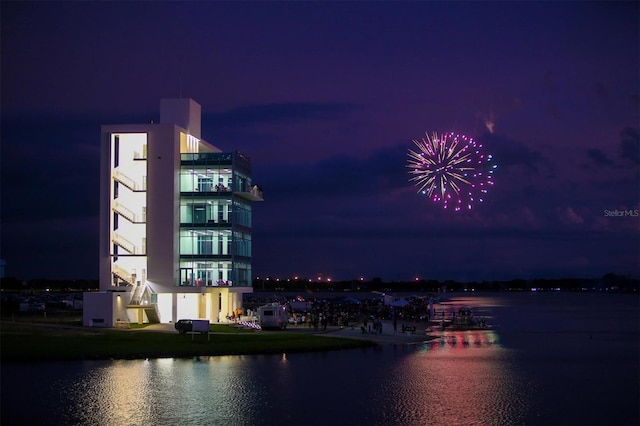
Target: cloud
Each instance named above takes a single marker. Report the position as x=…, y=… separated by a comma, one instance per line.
x=569, y=216
x=41, y=246
x=337, y=176
x=508, y=152
x=284, y=132
x=630, y=145
x=599, y=157
x=52, y=162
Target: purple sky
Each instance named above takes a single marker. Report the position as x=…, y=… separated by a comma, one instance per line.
x=326, y=97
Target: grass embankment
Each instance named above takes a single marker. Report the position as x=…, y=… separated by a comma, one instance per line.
x=28, y=342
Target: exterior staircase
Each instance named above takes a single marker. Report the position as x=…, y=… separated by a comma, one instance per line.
x=136, y=297
x=137, y=302
x=127, y=213
x=125, y=244
x=122, y=275
x=152, y=313
x=125, y=180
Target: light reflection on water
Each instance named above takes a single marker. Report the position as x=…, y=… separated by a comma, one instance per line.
x=538, y=365
x=463, y=378
x=163, y=391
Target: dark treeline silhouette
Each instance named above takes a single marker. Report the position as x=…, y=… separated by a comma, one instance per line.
x=610, y=282
x=42, y=284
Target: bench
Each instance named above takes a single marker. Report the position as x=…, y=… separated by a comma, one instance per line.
x=122, y=324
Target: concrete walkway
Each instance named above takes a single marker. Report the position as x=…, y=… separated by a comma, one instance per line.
x=388, y=335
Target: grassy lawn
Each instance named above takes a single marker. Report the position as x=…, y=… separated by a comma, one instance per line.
x=27, y=342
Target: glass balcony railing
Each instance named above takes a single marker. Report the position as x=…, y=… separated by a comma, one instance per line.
x=210, y=157
x=237, y=160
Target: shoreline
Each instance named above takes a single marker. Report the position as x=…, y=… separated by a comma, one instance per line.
x=27, y=342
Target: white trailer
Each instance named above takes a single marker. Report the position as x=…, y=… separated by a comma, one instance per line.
x=273, y=315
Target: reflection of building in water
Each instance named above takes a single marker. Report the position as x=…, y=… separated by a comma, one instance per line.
x=128, y=393
x=175, y=223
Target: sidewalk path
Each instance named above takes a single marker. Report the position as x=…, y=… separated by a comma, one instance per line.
x=388, y=335
x=350, y=332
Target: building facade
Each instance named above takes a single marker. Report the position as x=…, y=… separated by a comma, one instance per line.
x=175, y=223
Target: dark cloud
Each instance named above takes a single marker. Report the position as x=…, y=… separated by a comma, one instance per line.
x=337, y=176
x=53, y=162
x=265, y=131
x=52, y=248
x=599, y=157
x=630, y=145
x=509, y=153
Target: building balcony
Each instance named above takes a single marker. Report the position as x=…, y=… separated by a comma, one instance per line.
x=208, y=224
x=254, y=194
x=208, y=158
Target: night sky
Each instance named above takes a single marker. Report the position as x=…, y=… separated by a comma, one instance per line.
x=326, y=98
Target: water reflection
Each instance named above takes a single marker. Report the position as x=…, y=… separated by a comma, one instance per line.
x=528, y=369
x=439, y=382
x=462, y=378
x=462, y=339
x=164, y=391
x=116, y=391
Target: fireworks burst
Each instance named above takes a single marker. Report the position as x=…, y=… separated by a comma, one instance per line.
x=451, y=169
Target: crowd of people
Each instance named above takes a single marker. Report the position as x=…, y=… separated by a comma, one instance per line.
x=367, y=313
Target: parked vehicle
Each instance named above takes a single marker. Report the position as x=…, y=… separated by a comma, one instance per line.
x=188, y=325
x=273, y=315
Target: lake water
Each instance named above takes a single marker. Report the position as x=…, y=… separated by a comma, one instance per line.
x=549, y=359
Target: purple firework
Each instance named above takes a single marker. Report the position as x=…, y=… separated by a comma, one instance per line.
x=451, y=169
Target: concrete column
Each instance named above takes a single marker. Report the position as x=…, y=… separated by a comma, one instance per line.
x=174, y=307
x=202, y=305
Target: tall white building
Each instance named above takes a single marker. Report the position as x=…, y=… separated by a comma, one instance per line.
x=175, y=223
